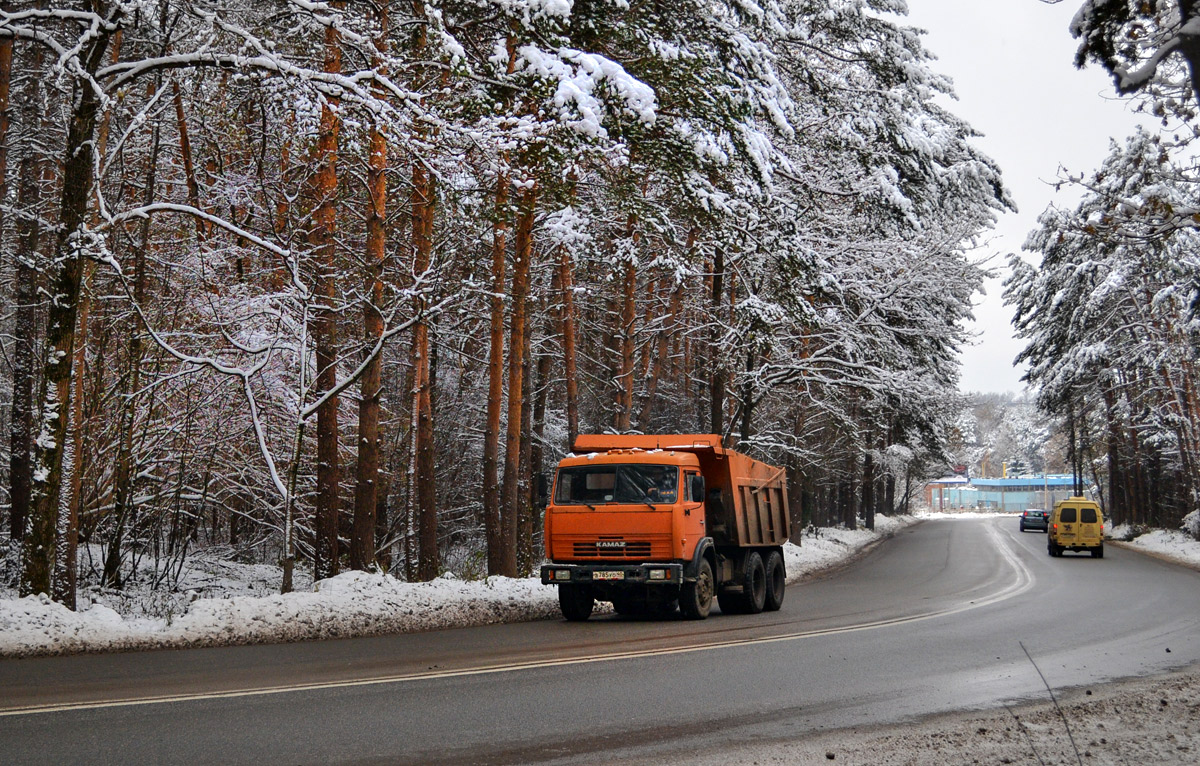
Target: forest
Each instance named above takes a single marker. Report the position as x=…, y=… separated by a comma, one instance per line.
x=333, y=285
x=1109, y=311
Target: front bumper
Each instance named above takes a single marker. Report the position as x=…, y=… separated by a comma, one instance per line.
x=612, y=574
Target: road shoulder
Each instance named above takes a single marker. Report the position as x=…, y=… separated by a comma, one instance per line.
x=1155, y=720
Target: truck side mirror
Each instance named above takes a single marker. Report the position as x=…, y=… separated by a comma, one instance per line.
x=696, y=489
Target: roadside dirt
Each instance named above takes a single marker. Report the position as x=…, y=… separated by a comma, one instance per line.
x=1130, y=723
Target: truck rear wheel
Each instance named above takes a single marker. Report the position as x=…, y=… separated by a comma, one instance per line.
x=576, y=602
x=776, y=582
x=695, y=598
x=754, y=584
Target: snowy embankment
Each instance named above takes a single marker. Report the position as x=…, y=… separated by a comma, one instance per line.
x=351, y=604
x=1178, y=545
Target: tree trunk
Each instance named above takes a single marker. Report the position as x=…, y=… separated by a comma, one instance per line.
x=322, y=237
x=567, y=323
x=6, y=58
x=493, y=511
x=525, y=553
x=868, y=490
x=25, y=291
x=747, y=403
x=429, y=562
x=189, y=167
x=66, y=569
x=907, y=490
x=628, y=320
x=510, y=494
x=492, y=514
x=362, y=541
x=66, y=557
x=59, y=354
x=124, y=509
x=717, y=371
x=537, y=448
x=680, y=343
x=1118, y=509
x=279, y=275
x=383, y=529
x=657, y=366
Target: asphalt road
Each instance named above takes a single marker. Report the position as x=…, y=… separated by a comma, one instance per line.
x=937, y=619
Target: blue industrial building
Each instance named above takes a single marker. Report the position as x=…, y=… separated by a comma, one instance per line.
x=1009, y=494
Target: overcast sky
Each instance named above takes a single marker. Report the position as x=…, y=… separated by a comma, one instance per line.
x=1012, y=68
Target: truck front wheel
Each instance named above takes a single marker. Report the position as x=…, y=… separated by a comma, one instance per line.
x=576, y=602
x=695, y=598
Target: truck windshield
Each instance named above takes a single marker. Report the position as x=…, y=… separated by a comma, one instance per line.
x=595, y=484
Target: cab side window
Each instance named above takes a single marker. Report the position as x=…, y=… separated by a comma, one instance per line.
x=1087, y=515
x=1067, y=516
x=694, y=486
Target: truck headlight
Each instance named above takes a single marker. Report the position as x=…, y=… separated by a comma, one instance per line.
x=560, y=574
x=660, y=574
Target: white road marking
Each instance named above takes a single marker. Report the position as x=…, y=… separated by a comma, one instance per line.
x=1022, y=581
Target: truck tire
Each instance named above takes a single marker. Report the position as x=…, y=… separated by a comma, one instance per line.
x=695, y=598
x=754, y=584
x=776, y=582
x=1098, y=553
x=576, y=602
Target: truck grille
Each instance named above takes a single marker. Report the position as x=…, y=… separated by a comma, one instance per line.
x=648, y=546
x=633, y=549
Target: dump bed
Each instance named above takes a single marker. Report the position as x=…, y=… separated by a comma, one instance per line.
x=747, y=499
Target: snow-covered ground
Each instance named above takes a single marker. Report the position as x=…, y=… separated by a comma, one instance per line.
x=1176, y=545
x=219, y=602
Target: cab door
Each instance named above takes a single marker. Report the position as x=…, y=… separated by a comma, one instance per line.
x=692, y=524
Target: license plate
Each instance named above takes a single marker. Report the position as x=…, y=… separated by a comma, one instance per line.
x=608, y=575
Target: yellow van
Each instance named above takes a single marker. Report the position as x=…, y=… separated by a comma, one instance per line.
x=1076, y=525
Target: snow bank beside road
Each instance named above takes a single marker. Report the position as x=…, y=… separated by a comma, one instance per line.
x=826, y=547
x=351, y=604
x=1171, y=544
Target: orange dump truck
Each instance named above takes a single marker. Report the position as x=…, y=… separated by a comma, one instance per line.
x=645, y=521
